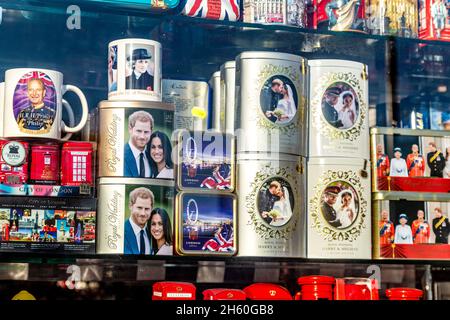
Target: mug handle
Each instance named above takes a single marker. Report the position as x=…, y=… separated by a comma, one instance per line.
x=84, y=107
x=69, y=110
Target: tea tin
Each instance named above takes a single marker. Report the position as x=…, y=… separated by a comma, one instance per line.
x=227, y=94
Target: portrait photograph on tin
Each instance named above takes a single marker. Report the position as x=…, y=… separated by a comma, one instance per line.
x=340, y=204
x=340, y=15
x=148, y=220
x=340, y=105
x=206, y=161
x=148, y=149
x=112, y=69
x=275, y=202
x=140, y=66
x=279, y=100
x=208, y=223
x=34, y=103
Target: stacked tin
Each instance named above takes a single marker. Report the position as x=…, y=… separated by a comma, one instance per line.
x=136, y=170
x=338, y=205
x=270, y=124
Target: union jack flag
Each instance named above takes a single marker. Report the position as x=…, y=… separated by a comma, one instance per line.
x=36, y=75
x=213, y=9
x=222, y=241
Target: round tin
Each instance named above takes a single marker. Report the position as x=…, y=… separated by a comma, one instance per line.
x=44, y=164
x=14, y=162
x=134, y=70
x=120, y=136
x=339, y=208
x=338, y=109
x=271, y=217
x=227, y=94
x=224, y=294
x=77, y=164
x=115, y=232
x=316, y=287
x=270, y=103
x=404, y=294
x=217, y=113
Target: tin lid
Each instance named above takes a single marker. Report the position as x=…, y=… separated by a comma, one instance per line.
x=274, y=156
x=215, y=75
x=267, y=291
x=314, y=280
x=269, y=55
x=181, y=286
x=135, y=41
x=335, y=63
x=49, y=146
x=75, y=145
x=403, y=293
x=228, y=65
x=107, y=104
x=224, y=294
x=136, y=181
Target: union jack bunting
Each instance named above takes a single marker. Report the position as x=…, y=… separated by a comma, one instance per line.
x=212, y=9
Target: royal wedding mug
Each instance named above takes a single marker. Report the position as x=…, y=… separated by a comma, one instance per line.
x=33, y=104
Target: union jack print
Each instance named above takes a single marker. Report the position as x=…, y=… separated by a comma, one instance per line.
x=213, y=9
x=36, y=75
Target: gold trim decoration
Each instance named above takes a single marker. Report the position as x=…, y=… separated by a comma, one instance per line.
x=328, y=232
x=251, y=202
x=326, y=129
x=294, y=74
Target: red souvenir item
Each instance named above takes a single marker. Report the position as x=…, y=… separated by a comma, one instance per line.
x=76, y=164
x=315, y=288
x=45, y=164
x=173, y=291
x=267, y=291
x=224, y=294
x=356, y=289
x=404, y=294
x=13, y=162
x=434, y=23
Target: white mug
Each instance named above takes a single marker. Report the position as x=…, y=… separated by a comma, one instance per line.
x=33, y=104
x=134, y=70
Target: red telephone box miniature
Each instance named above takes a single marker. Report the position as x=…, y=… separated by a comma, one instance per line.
x=224, y=294
x=76, y=164
x=315, y=288
x=267, y=291
x=166, y=290
x=404, y=294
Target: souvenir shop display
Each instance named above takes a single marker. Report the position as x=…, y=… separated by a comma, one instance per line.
x=129, y=209
x=433, y=20
x=227, y=94
x=267, y=291
x=218, y=114
x=136, y=139
x=271, y=203
x=270, y=103
x=339, y=209
x=404, y=294
x=191, y=100
x=410, y=160
x=338, y=109
x=134, y=70
x=315, y=288
x=415, y=226
x=343, y=15
x=57, y=225
x=167, y=290
x=224, y=294
x=229, y=10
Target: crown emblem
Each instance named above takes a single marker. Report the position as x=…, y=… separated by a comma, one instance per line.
x=179, y=289
x=14, y=149
x=272, y=293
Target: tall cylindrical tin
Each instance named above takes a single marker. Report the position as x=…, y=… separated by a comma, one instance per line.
x=228, y=83
x=339, y=211
x=131, y=131
x=135, y=206
x=217, y=113
x=191, y=100
x=270, y=103
x=44, y=164
x=338, y=111
x=271, y=218
x=134, y=70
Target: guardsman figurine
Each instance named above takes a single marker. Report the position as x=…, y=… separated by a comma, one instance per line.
x=420, y=228
x=382, y=162
x=415, y=162
x=441, y=227
x=329, y=213
x=436, y=161
x=386, y=229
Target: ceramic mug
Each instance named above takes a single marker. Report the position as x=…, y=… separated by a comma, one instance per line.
x=33, y=104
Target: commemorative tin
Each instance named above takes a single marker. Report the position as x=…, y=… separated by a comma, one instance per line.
x=128, y=207
x=205, y=224
x=315, y=288
x=338, y=99
x=271, y=217
x=289, y=12
x=169, y=290
x=340, y=15
x=218, y=115
x=136, y=139
x=410, y=160
x=267, y=291
x=206, y=160
x=14, y=162
x=77, y=164
x=411, y=227
x=224, y=294
x=134, y=70
x=227, y=94
x=392, y=17
x=191, y=100
x=339, y=220
x=228, y=10
x=404, y=294
x=433, y=20
x=44, y=163
x=270, y=103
